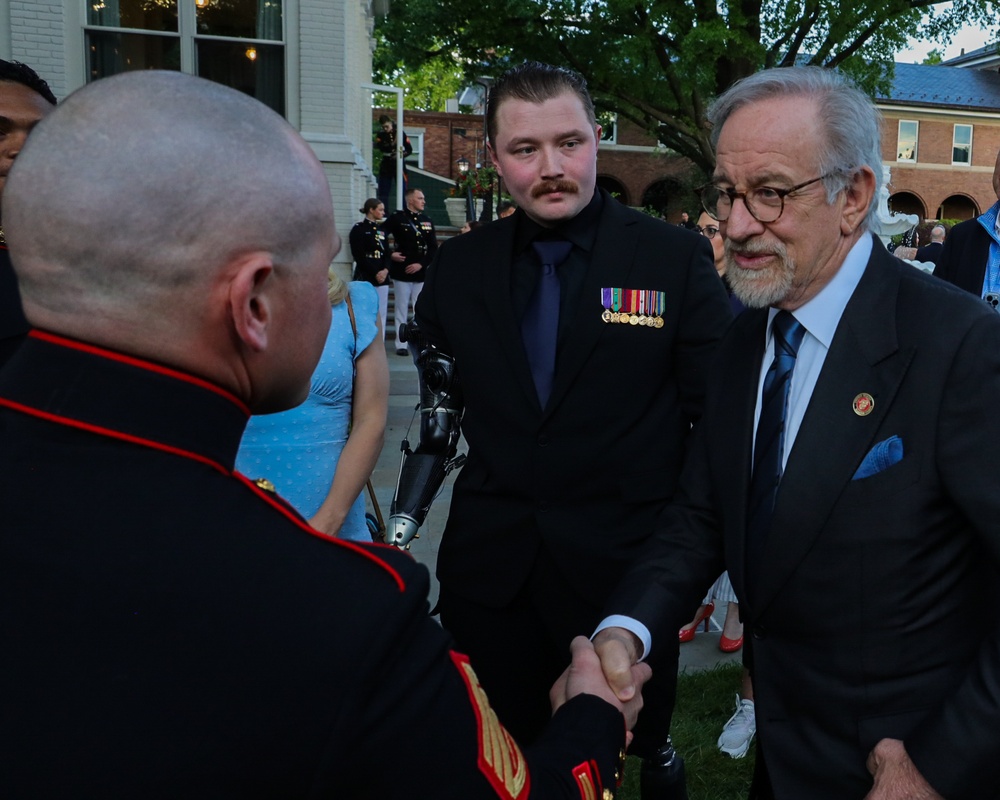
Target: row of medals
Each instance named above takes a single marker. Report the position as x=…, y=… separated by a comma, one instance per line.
x=640, y=300
x=625, y=318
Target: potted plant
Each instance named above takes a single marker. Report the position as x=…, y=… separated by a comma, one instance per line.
x=475, y=182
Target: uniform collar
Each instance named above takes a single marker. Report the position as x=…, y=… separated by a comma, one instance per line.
x=113, y=394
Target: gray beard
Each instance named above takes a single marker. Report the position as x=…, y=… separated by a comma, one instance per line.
x=761, y=289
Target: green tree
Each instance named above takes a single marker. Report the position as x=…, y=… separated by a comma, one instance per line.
x=428, y=82
x=660, y=62
x=934, y=57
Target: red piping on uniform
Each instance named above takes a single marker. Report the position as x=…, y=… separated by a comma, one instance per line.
x=113, y=434
x=125, y=437
x=52, y=338
x=361, y=551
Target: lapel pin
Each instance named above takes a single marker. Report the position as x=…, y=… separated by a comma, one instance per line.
x=864, y=404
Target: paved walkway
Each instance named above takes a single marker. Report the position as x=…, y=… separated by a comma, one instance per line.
x=701, y=653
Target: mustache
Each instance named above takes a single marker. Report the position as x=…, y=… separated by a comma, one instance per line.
x=549, y=187
x=754, y=247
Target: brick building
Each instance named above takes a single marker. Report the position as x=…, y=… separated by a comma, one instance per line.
x=940, y=139
x=629, y=164
x=311, y=61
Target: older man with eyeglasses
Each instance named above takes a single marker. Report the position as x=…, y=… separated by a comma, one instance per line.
x=844, y=472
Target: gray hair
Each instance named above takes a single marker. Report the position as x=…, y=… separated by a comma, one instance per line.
x=851, y=121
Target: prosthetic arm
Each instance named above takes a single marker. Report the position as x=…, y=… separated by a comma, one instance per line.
x=422, y=472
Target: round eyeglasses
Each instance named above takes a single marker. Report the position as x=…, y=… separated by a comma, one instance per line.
x=708, y=231
x=765, y=203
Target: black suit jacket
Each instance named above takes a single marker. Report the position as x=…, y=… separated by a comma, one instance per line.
x=170, y=629
x=963, y=260
x=875, y=612
x=929, y=252
x=587, y=476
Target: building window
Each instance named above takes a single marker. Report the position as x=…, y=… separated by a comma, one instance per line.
x=961, y=147
x=239, y=43
x=608, y=121
x=417, y=143
x=906, y=142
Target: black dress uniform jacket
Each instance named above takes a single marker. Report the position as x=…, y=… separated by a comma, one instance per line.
x=13, y=325
x=170, y=629
x=368, y=250
x=415, y=237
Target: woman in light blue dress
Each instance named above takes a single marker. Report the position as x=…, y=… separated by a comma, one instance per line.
x=320, y=454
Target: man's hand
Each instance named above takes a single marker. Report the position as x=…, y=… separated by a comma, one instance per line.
x=398, y=257
x=381, y=275
x=896, y=776
x=416, y=266
x=584, y=676
x=618, y=649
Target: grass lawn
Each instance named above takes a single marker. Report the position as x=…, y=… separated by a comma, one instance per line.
x=705, y=700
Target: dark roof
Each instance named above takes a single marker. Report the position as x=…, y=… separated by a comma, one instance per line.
x=973, y=55
x=949, y=87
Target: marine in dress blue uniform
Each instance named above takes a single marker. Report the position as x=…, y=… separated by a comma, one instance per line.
x=172, y=628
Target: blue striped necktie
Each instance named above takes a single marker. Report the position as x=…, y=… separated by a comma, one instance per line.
x=769, y=443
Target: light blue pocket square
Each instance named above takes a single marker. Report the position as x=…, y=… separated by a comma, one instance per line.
x=880, y=457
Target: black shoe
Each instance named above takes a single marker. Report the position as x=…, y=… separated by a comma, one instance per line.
x=402, y=351
x=662, y=776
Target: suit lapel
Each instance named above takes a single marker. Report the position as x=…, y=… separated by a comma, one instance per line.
x=833, y=439
x=610, y=264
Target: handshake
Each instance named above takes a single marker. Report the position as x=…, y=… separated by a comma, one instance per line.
x=606, y=668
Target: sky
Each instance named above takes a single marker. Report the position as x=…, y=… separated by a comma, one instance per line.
x=969, y=38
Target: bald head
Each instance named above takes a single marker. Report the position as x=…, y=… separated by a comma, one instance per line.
x=137, y=201
x=937, y=233
x=146, y=181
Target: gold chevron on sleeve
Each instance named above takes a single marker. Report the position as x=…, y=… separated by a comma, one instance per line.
x=500, y=758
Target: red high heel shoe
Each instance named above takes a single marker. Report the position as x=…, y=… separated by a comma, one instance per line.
x=727, y=645
x=687, y=634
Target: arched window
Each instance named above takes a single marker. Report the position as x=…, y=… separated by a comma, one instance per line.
x=958, y=206
x=907, y=203
x=666, y=196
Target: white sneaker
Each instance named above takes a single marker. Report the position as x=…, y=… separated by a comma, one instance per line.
x=739, y=731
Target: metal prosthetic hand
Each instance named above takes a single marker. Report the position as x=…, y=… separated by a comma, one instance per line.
x=421, y=472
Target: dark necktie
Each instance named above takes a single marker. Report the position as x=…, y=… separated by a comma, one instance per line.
x=540, y=325
x=770, y=441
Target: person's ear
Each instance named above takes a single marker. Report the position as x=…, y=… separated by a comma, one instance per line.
x=858, y=196
x=493, y=159
x=250, y=302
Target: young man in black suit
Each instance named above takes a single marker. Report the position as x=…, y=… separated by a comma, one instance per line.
x=844, y=471
x=573, y=451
